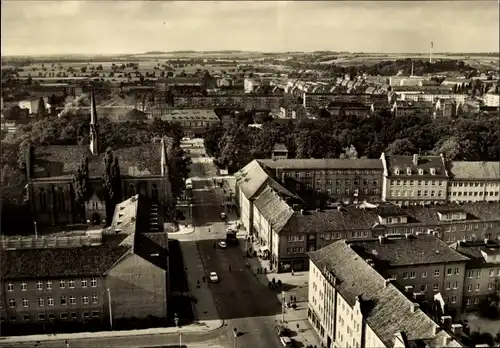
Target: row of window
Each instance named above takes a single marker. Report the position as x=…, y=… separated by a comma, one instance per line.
x=474, y=184
x=63, y=300
x=423, y=274
x=491, y=286
x=338, y=191
x=411, y=193
x=417, y=182
x=62, y=316
x=476, y=194
x=62, y=284
x=491, y=273
x=298, y=174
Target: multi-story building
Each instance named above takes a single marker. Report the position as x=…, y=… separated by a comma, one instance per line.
x=401, y=108
x=482, y=277
x=193, y=121
x=414, y=180
x=246, y=101
x=491, y=100
x=351, y=304
x=474, y=181
x=32, y=105
x=344, y=180
x=322, y=99
x=446, y=109
x=118, y=279
x=420, y=263
x=432, y=97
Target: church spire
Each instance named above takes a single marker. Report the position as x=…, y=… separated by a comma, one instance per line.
x=94, y=126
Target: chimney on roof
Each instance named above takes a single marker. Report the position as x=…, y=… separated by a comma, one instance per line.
x=381, y=239
x=418, y=296
x=447, y=340
x=436, y=330
x=387, y=282
x=414, y=307
x=415, y=159
x=456, y=329
x=446, y=322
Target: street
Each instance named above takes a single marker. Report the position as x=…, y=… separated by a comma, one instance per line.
x=241, y=300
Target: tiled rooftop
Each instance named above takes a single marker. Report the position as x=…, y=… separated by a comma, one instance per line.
x=472, y=250
x=60, y=262
x=323, y=163
x=424, y=162
x=273, y=208
x=387, y=311
x=402, y=251
x=474, y=170
x=63, y=161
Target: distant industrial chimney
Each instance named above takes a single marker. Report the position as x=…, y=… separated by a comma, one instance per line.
x=430, y=52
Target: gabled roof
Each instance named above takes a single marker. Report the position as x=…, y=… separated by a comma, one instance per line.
x=386, y=310
x=250, y=178
x=471, y=170
x=424, y=162
x=273, y=208
x=61, y=161
x=413, y=250
x=59, y=262
x=321, y=163
x=280, y=147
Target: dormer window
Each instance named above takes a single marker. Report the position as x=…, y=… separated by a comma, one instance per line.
x=433, y=171
x=396, y=171
x=420, y=172
x=408, y=171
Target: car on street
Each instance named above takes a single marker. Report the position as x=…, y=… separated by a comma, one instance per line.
x=214, y=278
x=281, y=330
x=223, y=216
x=222, y=244
x=286, y=342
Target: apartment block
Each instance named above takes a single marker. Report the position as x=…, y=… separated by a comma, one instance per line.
x=126, y=276
x=474, y=181
x=356, y=306
x=417, y=263
x=482, y=277
x=414, y=180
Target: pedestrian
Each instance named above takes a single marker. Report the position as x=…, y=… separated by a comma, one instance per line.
x=67, y=343
x=292, y=271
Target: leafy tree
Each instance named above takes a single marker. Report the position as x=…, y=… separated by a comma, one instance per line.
x=12, y=113
x=81, y=186
x=401, y=147
x=350, y=152
x=42, y=110
x=111, y=183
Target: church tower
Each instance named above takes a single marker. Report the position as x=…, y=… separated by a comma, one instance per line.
x=94, y=126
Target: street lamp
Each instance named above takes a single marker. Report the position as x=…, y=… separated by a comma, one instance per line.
x=176, y=320
x=191, y=212
x=235, y=333
x=283, y=306
x=110, y=309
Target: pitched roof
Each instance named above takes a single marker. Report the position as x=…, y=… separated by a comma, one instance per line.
x=250, y=178
x=473, y=250
x=151, y=247
x=292, y=163
x=349, y=218
x=59, y=262
x=388, y=311
x=413, y=250
x=469, y=170
x=484, y=211
x=273, y=208
x=424, y=162
x=279, y=147
x=61, y=161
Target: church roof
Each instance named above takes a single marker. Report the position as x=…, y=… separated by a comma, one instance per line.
x=61, y=161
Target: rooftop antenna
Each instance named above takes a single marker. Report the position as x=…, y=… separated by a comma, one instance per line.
x=430, y=53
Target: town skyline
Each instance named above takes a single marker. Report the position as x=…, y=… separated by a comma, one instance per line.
x=136, y=27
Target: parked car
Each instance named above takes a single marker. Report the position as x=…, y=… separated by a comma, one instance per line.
x=223, y=216
x=286, y=342
x=214, y=278
x=223, y=245
x=281, y=330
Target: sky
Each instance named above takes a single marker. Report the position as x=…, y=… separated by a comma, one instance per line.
x=112, y=27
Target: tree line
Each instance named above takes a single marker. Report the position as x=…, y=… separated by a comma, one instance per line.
x=469, y=139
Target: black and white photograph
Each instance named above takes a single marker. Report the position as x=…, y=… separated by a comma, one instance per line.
x=250, y=174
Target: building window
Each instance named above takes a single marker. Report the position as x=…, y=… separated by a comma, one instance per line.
x=24, y=302
x=424, y=274
x=453, y=299
x=477, y=287
x=471, y=274
x=26, y=317
x=64, y=301
x=93, y=282
x=72, y=300
x=41, y=302
x=423, y=288
x=449, y=271
x=95, y=315
x=71, y=284
x=64, y=316
x=73, y=315
x=12, y=303
x=41, y=317
x=85, y=300
x=469, y=287
x=95, y=299
x=49, y=285
x=436, y=273
x=85, y=315
x=39, y=285
x=405, y=275
x=24, y=286
x=457, y=271
x=50, y=301
x=10, y=287
x=412, y=275
x=478, y=273
x=490, y=286
x=448, y=285
x=435, y=287
x=154, y=192
x=52, y=316
x=84, y=283
x=455, y=285
x=62, y=284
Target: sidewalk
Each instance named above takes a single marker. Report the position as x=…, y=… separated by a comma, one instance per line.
x=204, y=307
x=206, y=326
x=184, y=230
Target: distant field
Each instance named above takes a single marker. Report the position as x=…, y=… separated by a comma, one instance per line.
x=479, y=62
